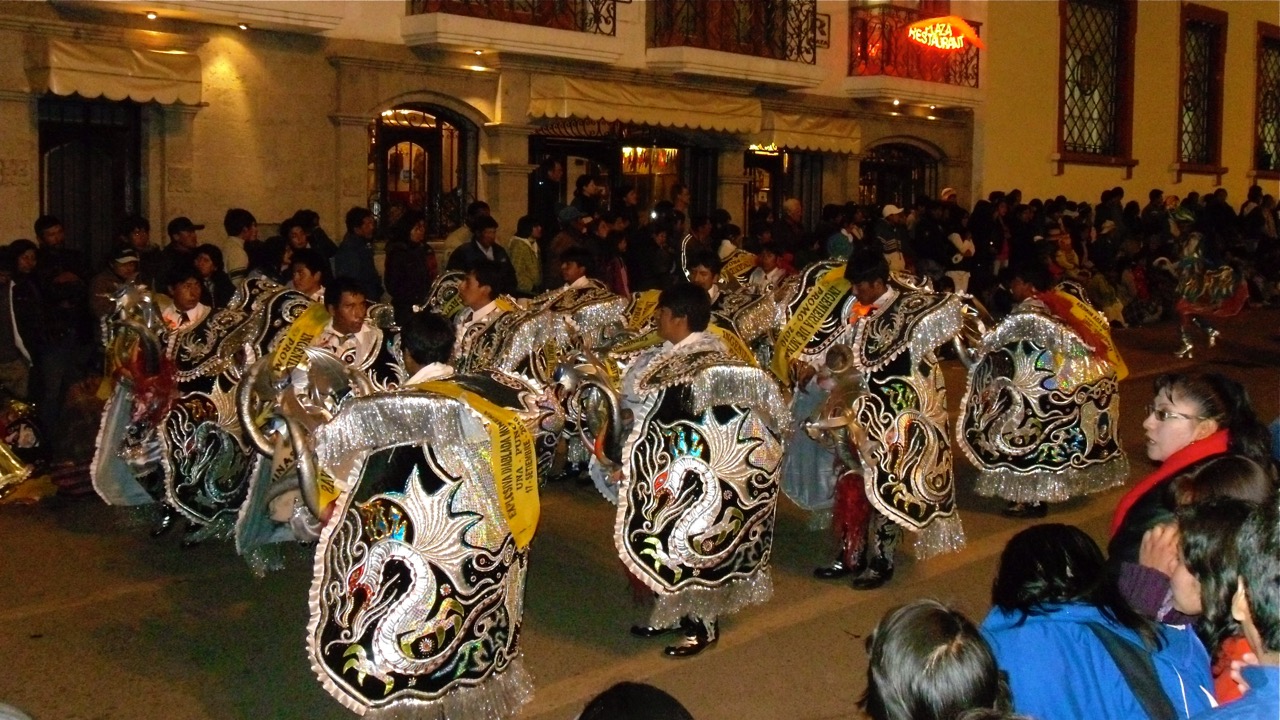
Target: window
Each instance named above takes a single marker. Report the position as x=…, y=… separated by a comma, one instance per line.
x=1204, y=46
x=1267, y=122
x=897, y=173
x=1096, y=80
x=423, y=159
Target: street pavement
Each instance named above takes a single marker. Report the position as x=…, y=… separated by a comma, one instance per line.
x=98, y=621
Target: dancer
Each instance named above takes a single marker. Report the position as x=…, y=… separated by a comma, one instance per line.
x=1041, y=410
x=1206, y=289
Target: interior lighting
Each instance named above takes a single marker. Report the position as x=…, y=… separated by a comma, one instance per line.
x=895, y=114
x=932, y=117
x=242, y=26
x=477, y=68
x=151, y=15
x=896, y=102
x=479, y=52
x=933, y=107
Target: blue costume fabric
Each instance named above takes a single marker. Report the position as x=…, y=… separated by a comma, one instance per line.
x=1262, y=702
x=1059, y=670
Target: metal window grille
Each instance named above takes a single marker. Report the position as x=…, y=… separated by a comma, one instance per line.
x=597, y=17
x=1196, y=140
x=777, y=29
x=1091, y=93
x=1269, y=105
x=897, y=173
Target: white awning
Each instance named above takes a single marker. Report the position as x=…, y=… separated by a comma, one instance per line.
x=810, y=132
x=553, y=96
x=64, y=67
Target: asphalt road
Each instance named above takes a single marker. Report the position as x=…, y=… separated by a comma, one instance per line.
x=99, y=621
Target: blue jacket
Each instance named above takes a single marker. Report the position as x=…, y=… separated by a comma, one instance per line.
x=1262, y=702
x=1059, y=670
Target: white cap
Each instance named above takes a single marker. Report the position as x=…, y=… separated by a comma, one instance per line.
x=947, y=192
x=890, y=209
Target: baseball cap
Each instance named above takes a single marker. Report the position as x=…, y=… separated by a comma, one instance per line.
x=569, y=214
x=890, y=209
x=948, y=192
x=124, y=255
x=181, y=223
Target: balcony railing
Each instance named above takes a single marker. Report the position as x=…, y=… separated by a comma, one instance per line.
x=879, y=45
x=774, y=29
x=598, y=17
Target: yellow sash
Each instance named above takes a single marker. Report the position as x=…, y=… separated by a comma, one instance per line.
x=646, y=304
x=298, y=338
x=739, y=264
x=1097, y=324
x=511, y=456
x=813, y=310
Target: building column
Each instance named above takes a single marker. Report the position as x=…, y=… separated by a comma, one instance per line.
x=506, y=173
x=351, y=168
x=731, y=174
x=173, y=166
x=19, y=164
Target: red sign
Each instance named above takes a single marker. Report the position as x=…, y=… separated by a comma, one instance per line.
x=944, y=33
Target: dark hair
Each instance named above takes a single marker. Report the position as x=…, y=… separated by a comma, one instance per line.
x=44, y=222
x=355, y=217
x=1034, y=274
x=576, y=254
x=582, y=181
x=237, y=220
x=686, y=300
x=1058, y=564
x=427, y=338
x=1226, y=401
x=1208, y=531
x=403, y=227
x=311, y=260
x=342, y=284
x=492, y=275
x=134, y=222
x=180, y=273
x=480, y=223
x=707, y=259
x=17, y=248
x=308, y=219
x=929, y=662
x=526, y=224
x=634, y=701
x=1258, y=547
x=477, y=208
x=287, y=227
x=698, y=221
x=866, y=265
x=1232, y=476
x=214, y=253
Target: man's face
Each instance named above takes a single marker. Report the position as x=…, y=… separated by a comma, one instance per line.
x=536, y=233
x=768, y=260
x=684, y=197
x=250, y=234
x=185, y=294
x=298, y=237
x=186, y=239
x=671, y=328
x=304, y=280
x=27, y=262
x=473, y=294
x=53, y=237
x=868, y=291
x=897, y=219
x=1020, y=289
x=366, y=228
x=139, y=238
x=571, y=271
x=487, y=237
x=795, y=212
x=556, y=174
x=702, y=277
x=348, y=315
x=125, y=271
x=204, y=265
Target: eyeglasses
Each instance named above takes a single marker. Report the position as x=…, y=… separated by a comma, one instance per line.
x=1164, y=415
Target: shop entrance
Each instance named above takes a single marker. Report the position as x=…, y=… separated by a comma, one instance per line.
x=422, y=158
x=897, y=173
x=90, y=168
x=773, y=175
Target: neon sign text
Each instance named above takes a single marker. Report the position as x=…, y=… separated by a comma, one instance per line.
x=944, y=33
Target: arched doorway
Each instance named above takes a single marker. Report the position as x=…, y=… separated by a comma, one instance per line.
x=422, y=157
x=897, y=173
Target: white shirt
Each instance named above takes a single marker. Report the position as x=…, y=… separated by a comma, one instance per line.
x=355, y=348
x=762, y=280
x=467, y=318
x=714, y=293
x=580, y=283
x=528, y=242
x=426, y=373
x=179, y=320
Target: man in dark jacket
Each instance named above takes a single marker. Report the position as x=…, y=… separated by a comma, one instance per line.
x=484, y=246
x=354, y=258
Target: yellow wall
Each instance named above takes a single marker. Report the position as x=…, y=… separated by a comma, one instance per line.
x=1016, y=129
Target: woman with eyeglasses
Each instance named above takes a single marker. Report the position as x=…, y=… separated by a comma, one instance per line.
x=1192, y=417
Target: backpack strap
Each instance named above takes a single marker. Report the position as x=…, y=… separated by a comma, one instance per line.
x=1139, y=673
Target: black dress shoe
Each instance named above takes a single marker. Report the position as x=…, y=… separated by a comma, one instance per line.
x=702, y=636
x=168, y=516
x=876, y=574
x=649, y=631
x=838, y=569
x=1025, y=510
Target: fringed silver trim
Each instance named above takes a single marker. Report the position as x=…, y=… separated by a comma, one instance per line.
x=263, y=559
x=1034, y=323
x=137, y=518
x=943, y=535
x=741, y=385
x=712, y=603
x=944, y=323
x=759, y=317
x=1052, y=485
x=533, y=333
x=498, y=698
x=223, y=527
x=113, y=479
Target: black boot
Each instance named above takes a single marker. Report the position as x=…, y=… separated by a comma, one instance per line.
x=699, y=635
x=878, y=573
x=842, y=568
x=164, y=522
x=651, y=631
x=884, y=536
x=1025, y=510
